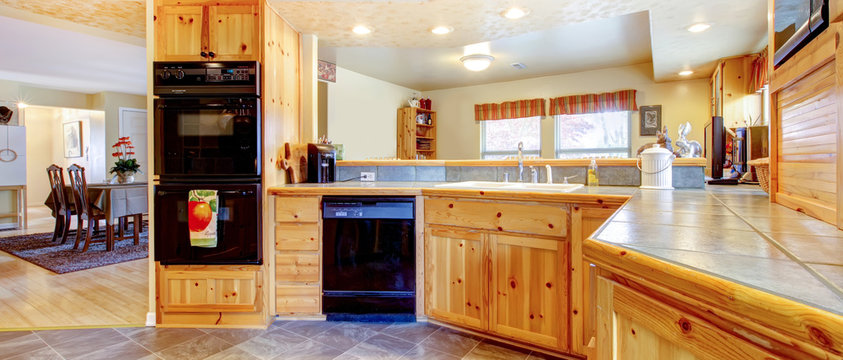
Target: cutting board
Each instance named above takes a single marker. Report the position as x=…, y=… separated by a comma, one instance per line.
x=295, y=162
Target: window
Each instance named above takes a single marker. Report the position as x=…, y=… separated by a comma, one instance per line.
x=501, y=137
x=597, y=135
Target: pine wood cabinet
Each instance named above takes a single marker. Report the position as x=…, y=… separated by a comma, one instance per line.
x=635, y=326
x=455, y=270
x=509, y=284
x=416, y=134
x=529, y=289
x=298, y=265
x=197, y=31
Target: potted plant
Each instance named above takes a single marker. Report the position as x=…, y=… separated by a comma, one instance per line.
x=126, y=166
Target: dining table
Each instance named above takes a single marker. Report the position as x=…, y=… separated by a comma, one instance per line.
x=116, y=201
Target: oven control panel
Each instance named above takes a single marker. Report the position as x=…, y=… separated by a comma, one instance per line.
x=206, y=78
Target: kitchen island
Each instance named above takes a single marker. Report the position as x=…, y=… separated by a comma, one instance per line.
x=736, y=272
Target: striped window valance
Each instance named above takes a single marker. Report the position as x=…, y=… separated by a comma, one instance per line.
x=509, y=110
x=623, y=100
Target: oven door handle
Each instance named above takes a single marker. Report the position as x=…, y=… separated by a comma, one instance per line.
x=227, y=192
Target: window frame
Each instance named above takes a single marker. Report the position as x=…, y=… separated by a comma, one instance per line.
x=558, y=141
x=514, y=152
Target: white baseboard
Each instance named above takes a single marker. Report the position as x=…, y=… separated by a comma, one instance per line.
x=150, y=319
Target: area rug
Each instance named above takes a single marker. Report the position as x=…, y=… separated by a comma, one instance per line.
x=60, y=259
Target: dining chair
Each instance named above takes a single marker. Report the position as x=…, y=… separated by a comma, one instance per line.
x=86, y=212
x=63, y=209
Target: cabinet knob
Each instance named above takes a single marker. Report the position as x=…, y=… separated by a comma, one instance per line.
x=211, y=54
x=203, y=54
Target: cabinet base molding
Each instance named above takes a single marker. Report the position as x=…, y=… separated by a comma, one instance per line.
x=505, y=340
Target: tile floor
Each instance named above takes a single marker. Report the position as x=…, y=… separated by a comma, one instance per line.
x=283, y=340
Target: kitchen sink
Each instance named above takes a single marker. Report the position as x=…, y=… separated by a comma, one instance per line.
x=492, y=185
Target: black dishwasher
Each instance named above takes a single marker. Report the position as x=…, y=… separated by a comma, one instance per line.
x=369, y=258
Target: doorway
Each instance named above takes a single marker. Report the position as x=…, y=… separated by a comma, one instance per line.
x=132, y=123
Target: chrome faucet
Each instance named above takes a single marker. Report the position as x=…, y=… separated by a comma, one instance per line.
x=520, y=161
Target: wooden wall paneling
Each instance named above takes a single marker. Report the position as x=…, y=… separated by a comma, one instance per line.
x=805, y=135
x=836, y=9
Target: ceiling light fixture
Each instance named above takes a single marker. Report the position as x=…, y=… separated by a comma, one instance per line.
x=685, y=72
x=515, y=13
x=22, y=105
x=442, y=30
x=698, y=27
x=361, y=30
x=476, y=62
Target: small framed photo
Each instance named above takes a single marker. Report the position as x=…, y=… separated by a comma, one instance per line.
x=327, y=71
x=72, y=139
x=651, y=119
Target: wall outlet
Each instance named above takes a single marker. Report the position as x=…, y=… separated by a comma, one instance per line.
x=367, y=176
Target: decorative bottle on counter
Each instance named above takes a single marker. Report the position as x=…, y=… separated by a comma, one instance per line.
x=592, y=173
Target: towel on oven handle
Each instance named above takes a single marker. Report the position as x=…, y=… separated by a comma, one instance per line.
x=202, y=218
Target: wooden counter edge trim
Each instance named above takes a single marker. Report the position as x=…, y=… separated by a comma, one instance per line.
x=553, y=162
x=803, y=322
x=357, y=191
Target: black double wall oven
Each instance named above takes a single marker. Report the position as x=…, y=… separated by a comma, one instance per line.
x=208, y=137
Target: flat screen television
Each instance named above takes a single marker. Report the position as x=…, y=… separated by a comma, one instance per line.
x=796, y=23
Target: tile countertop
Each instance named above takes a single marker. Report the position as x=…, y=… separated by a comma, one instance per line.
x=733, y=233
x=736, y=234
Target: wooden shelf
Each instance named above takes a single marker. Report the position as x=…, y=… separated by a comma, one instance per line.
x=411, y=134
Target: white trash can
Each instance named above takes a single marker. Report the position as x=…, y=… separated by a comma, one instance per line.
x=656, y=165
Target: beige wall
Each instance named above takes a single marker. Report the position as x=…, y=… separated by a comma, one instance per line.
x=45, y=146
x=362, y=114
x=459, y=135
x=111, y=102
x=15, y=91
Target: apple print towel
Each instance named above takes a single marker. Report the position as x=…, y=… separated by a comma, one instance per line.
x=202, y=218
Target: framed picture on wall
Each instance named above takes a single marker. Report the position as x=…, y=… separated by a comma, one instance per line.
x=72, y=139
x=327, y=71
x=651, y=119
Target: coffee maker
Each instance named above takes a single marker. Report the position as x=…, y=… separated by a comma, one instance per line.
x=321, y=163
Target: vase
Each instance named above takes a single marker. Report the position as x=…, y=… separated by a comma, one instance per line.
x=125, y=177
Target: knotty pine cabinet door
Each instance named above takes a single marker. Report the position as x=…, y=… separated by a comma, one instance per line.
x=209, y=31
x=456, y=276
x=529, y=289
x=233, y=32
x=178, y=33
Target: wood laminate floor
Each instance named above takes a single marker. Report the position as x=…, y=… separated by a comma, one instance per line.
x=35, y=298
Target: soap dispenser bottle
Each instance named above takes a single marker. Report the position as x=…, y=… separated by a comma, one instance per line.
x=592, y=173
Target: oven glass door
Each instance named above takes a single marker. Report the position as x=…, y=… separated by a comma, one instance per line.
x=207, y=137
x=238, y=225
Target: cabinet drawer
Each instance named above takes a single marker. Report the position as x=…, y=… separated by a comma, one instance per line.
x=209, y=291
x=295, y=236
x=296, y=209
x=520, y=218
x=297, y=299
x=297, y=267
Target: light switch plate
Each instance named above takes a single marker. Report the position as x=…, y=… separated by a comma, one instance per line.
x=367, y=176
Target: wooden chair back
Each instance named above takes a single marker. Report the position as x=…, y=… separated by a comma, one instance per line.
x=60, y=201
x=80, y=191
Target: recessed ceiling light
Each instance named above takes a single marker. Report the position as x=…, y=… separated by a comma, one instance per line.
x=442, y=30
x=698, y=27
x=515, y=13
x=476, y=62
x=361, y=30
x=685, y=72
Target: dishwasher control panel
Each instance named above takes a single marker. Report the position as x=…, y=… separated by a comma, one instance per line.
x=368, y=208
